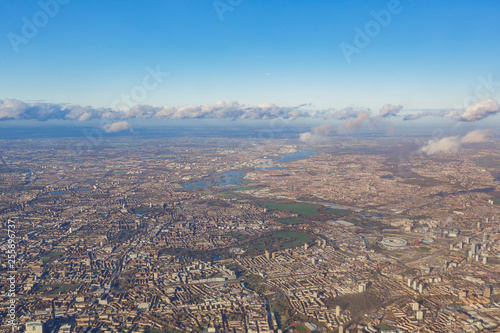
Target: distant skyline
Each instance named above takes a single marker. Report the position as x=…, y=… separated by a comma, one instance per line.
x=427, y=55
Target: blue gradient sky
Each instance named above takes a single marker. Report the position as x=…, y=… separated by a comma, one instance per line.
x=283, y=52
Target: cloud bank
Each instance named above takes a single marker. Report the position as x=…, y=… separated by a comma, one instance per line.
x=353, y=117
x=477, y=111
x=15, y=109
x=451, y=145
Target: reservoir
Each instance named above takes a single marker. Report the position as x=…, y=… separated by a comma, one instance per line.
x=302, y=153
x=58, y=192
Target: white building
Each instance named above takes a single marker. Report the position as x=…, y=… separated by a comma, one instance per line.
x=34, y=326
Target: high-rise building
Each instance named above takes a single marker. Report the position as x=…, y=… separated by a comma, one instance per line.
x=337, y=311
x=487, y=292
x=362, y=287
x=419, y=315
x=473, y=249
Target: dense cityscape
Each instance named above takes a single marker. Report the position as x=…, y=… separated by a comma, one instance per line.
x=249, y=166
x=175, y=235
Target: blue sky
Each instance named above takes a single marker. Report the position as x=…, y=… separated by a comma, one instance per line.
x=285, y=52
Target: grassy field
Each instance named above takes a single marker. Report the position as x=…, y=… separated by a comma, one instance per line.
x=302, y=209
x=57, y=288
x=246, y=188
x=146, y=210
x=51, y=256
x=338, y=211
x=62, y=288
x=383, y=327
x=301, y=329
x=290, y=221
x=298, y=238
x=278, y=241
x=228, y=195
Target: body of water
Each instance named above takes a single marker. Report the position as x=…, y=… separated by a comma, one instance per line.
x=302, y=153
x=58, y=192
x=230, y=179
x=64, y=191
x=196, y=185
x=272, y=168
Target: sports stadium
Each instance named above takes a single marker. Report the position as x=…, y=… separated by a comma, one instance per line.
x=393, y=243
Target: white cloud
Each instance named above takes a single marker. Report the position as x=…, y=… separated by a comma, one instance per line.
x=416, y=116
x=390, y=110
x=452, y=144
x=117, y=127
x=349, y=112
x=478, y=136
x=444, y=146
x=319, y=134
x=357, y=122
x=476, y=111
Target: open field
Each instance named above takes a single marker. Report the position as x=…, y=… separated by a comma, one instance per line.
x=279, y=241
x=302, y=209
x=51, y=256
x=339, y=211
